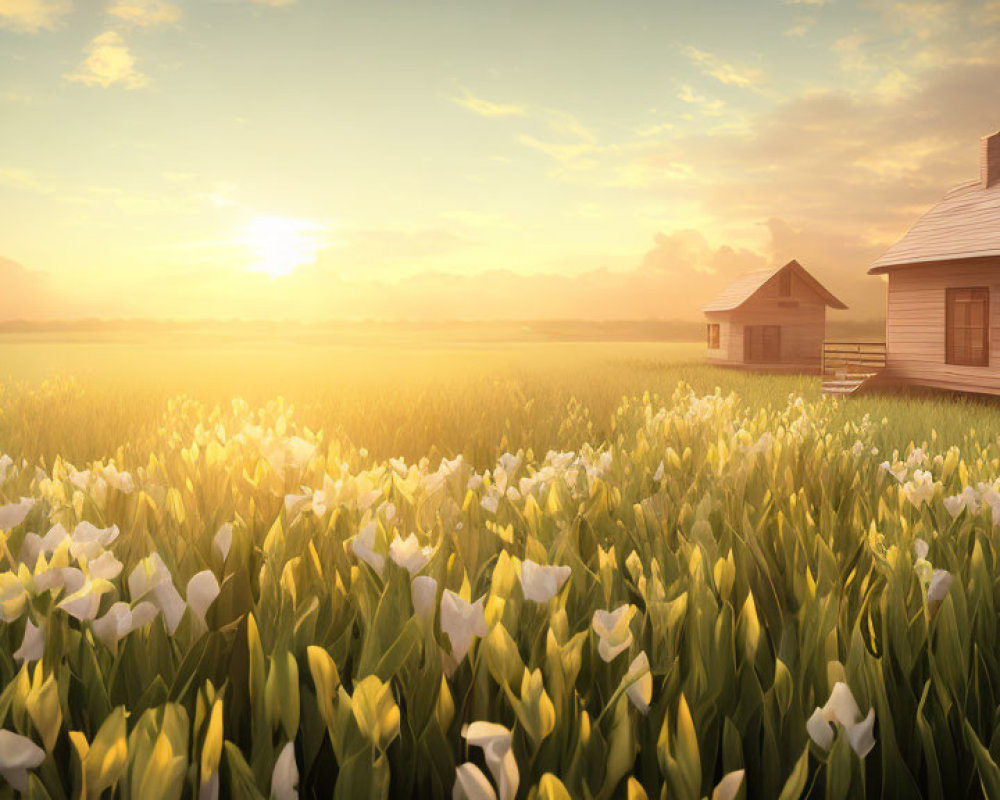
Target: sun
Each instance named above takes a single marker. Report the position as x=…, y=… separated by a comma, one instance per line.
x=283, y=244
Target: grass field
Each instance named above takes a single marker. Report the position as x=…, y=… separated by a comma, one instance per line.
x=535, y=570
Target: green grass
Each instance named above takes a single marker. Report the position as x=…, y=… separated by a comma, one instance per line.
x=407, y=400
x=742, y=521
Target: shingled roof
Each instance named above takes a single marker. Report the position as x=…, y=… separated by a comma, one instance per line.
x=738, y=292
x=965, y=224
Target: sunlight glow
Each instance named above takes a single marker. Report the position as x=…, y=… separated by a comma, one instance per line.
x=282, y=244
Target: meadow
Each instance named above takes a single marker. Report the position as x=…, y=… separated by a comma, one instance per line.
x=399, y=568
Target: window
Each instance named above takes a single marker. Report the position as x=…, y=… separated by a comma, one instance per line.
x=967, y=326
x=762, y=344
x=785, y=284
x=713, y=336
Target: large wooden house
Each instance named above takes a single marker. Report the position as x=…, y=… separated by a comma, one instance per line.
x=773, y=319
x=943, y=304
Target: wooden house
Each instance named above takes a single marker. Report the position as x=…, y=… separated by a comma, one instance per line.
x=943, y=293
x=773, y=319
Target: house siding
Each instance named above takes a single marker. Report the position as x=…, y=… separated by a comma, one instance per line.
x=802, y=327
x=915, y=325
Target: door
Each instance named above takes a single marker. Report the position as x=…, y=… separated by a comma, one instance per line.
x=762, y=344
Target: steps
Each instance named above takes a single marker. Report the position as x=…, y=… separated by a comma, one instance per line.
x=847, y=384
x=848, y=367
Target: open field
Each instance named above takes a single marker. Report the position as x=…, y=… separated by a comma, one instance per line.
x=623, y=581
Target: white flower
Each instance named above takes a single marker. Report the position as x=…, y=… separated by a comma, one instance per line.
x=6, y=462
x=897, y=470
x=496, y=744
x=13, y=514
x=298, y=452
x=491, y=500
x=938, y=589
x=921, y=548
x=104, y=566
x=729, y=786
x=613, y=631
x=398, y=465
x=151, y=580
x=861, y=736
x=640, y=692
x=423, y=592
x=18, y=754
x=462, y=621
x=32, y=645
x=660, y=472
x=920, y=489
x=222, y=542
x=84, y=603
x=121, y=620
x=294, y=503
x=80, y=478
x=89, y=541
x=842, y=709
x=408, y=554
x=540, y=584
x=969, y=498
x=35, y=545
x=475, y=482
x=471, y=784
x=819, y=730
x=122, y=481
x=68, y=578
x=510, y=462
x=202, y=590
x=285, y=777
x=363, y=545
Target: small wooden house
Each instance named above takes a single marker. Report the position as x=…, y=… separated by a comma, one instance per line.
x=943, y=303
x=770, y=319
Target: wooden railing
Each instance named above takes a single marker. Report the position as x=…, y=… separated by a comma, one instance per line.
x=852, y=358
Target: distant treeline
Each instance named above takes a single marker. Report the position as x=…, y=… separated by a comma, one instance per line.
x=554, y=330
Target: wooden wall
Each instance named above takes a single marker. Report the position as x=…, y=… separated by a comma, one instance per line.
x=803, y=326
x=728, y=346
x=915, y=325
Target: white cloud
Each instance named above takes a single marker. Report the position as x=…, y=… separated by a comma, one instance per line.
x=274, y=3
x=30, y=16
x=109, y=63
x=487, y=109
x=801, y=27
x=146, y=13
x=724, y=71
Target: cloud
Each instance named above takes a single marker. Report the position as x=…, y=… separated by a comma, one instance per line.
x=19, y=178
x=274, y=3
x=713, y=108
x=723, y=71
x=109, y=63
x=378, y=248
x=146, y=13
x=27, y=293
x=487, y=109
x=807, y=2
x=31, y=16
x=801, y=27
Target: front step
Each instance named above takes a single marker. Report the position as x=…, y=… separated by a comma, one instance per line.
x=847, y=384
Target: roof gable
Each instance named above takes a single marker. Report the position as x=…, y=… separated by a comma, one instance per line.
x=965, y=224
x=741, y=290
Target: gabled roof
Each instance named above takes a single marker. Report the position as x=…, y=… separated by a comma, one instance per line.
x=738, y=292
x=965, y=224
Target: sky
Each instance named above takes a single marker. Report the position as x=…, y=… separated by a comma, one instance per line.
x=588, y=159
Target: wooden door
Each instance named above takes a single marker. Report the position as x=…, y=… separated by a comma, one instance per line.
x=762, y=344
